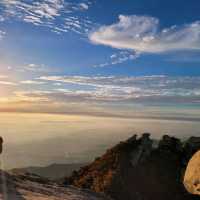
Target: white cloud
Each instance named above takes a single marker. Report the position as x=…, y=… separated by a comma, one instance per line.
x=84, y=6
x=42, y=13
x=32, y=82
x=4, y=81
x=33, y=19
x=42, y=10
x=104, y=92
x=142, y=34
x=95, y=81
x=119, y=58
x=78, y=25
x=7, y=83
x=2, y=34
x=136, y=89
x=57, y=84
x=45, y=13
x=34, y=68
x=113, y=56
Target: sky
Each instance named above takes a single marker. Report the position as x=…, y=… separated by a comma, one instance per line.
x=100, y=57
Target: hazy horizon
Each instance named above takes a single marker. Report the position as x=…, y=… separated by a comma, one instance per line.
x=43, y=139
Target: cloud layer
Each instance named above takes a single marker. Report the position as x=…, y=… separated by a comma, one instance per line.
x=107, y=94
x=128, y=89
x=142, y=34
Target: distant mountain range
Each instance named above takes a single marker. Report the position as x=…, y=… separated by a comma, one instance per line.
x=52, y=172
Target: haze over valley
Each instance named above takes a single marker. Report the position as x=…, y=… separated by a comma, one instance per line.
x=43, y=139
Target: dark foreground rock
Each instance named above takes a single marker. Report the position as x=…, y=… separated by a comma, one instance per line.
x=134, y=170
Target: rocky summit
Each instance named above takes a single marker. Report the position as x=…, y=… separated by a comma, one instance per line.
x=140, y=169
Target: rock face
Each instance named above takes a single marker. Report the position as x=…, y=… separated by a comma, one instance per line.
x=142, y=151
x=134, y=170
x=192, y=175
x=32, y=187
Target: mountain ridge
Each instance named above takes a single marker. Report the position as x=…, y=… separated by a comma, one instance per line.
x=135, y=170
x=62, y=170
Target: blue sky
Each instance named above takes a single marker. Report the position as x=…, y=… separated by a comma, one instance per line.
x=99, y=52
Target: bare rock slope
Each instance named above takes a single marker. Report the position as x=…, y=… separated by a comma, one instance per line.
x=32, y=187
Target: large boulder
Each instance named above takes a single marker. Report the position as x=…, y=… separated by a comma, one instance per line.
x=192, y=175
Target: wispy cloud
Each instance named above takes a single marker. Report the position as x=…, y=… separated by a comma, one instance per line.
x=33, y=68
x=32, y=82
x=143, y=34
x=4, y=80
x=101, y=94
x=84, y=6
x=76, y=24
x=2, y=34
x=118, y=58
x=7, y=83
x=43, y=10
x=48, y=13
x=136, y=89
